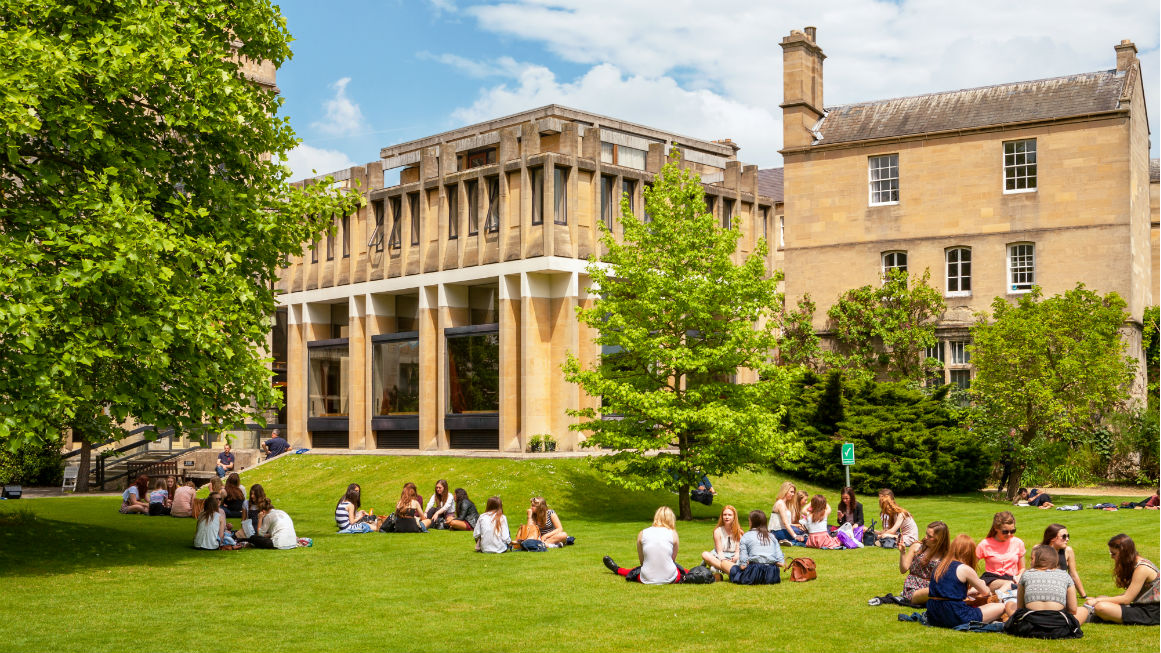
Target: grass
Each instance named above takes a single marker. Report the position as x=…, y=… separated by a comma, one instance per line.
x=77, y=575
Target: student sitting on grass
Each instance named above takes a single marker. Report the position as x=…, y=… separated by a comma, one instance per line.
x=784, y=514
x=727, y=534
x=210, y=531
x=235, y=496
x=918, y=561
x=547, y=523
x=276, y=529
x=1034, y=498
x=171, y=487
x=133, y=498
x=759, y=555
x=1057, y=537
x=440, y=507
x=1045, y=600
x=466, y=514
x=803, y=508
x=348, y=516
x=250, y=512
x=491, y=530
x=159, y=499
x=817, y=537
x=183, y=500
x=408, y=511
x=946, y=606
x=898, y=525
x=1138, y=604
x=657, y=551
x=849, y=511
x=217, y=489
x=1002, y=553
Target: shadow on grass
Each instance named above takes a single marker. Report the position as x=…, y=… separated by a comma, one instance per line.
x=34, y=545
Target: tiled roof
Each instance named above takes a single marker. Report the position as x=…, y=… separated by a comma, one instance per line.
x=770, y=183
x=1154, y=170
x=1043, y=99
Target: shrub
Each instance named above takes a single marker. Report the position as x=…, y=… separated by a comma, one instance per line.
x=34, y=463
x=904, y=439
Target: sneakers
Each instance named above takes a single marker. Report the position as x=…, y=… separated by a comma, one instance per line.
x=612, y=566
x=875, y=601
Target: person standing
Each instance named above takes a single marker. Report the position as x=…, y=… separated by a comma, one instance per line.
x=225, y=462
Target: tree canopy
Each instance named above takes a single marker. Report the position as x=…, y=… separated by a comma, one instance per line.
x=677, y=321
x=1050, y=367
x=144, y=216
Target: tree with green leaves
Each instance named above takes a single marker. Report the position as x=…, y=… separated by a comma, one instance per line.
x=798, y=343
x=677, y=320
x=143, y=215
x=1049, y=367
x=886, y=330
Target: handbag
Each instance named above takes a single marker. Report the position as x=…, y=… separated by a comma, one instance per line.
x=869, y=535
x=802, y=570
x=527, y=532
x=699, y=575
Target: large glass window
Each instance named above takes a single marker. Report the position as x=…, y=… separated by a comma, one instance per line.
x=894, y=261
x=537, y=195
x=327, y=387
x=728, y=213
x=959, y=271
x=883, y=172
x=453, y=212
x=395, y=377
x=628, y=191
x=473, y=373
x=559, y=195
x=1020, y=166
x=492, y=219
x=607, y=202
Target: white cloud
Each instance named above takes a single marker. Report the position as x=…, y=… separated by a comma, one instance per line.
x=343, y=117
x=658, y=102
x=875, y=50
x=306, y=161
x=441, y=6
x=500, y=67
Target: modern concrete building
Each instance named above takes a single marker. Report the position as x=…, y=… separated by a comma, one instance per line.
x=992, y=189
x=438, y=316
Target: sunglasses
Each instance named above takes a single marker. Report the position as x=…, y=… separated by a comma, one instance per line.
x=1064, y=536
x=1008, y=531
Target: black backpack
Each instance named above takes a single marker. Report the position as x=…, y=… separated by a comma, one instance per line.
x=1043, y=624
x=702, y=496
x=699, y=575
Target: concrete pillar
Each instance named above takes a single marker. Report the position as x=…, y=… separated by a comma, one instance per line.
x=535, y=354
x=510, y=379
x=358, y=376
x=431, y=345
x=296, y=371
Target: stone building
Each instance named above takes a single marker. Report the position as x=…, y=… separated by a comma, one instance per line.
x=437, y=317
x=992, y=189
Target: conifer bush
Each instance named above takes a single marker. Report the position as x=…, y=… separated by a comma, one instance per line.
x=905, y=439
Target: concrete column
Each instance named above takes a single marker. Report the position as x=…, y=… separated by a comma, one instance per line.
x=535, y=354
x=296, y=373
x=431, y=344
x=358, y=376
x=510, y=380
x=565, y=339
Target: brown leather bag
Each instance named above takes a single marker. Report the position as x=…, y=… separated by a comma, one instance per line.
x=802, y=570
x=527, y=532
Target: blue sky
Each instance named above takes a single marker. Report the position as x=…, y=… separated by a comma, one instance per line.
x=367, y=74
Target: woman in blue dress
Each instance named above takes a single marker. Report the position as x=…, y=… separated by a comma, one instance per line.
x=946, y=606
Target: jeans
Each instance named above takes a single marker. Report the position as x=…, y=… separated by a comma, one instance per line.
x=221, y=471
x=783, y=534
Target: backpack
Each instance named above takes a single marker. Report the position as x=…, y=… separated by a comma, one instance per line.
x=802, y=569
x=1043, y=624
x=702, y=496
x=699, y=575
x=533, y=545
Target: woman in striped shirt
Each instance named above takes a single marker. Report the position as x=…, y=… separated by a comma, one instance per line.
x=347, y=510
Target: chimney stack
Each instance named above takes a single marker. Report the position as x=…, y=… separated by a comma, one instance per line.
x=1126, y=55
x=801, y=87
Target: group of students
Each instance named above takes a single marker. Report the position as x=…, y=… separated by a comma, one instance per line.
x=167, y=498
x=798, y=519
x=451, y=511
x=1043, y=599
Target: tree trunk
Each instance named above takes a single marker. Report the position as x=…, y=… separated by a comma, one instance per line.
x=83, y=464
x=683, y=508
x=1014, y=480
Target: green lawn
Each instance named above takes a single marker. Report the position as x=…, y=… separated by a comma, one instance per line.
x=76, y=575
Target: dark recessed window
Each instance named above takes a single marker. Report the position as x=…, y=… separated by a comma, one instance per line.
x=537, y=195
x=473, y=189
x=453, y=212
x=413, y=205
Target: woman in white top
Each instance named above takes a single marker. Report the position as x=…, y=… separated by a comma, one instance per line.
x=898, y=524
x=491, y=531
x=657, y=551
x=440, y=507
x=784, y=515
x=726, y=537
x=275, y=528
x=210, y=533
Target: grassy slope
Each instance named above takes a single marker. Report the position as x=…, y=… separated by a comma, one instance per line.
x=76, y=575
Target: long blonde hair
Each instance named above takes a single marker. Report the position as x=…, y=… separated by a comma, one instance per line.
x=539, y=510
x=664, y=518
x=736, y=531
x=496, y=507
x=890, y=509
